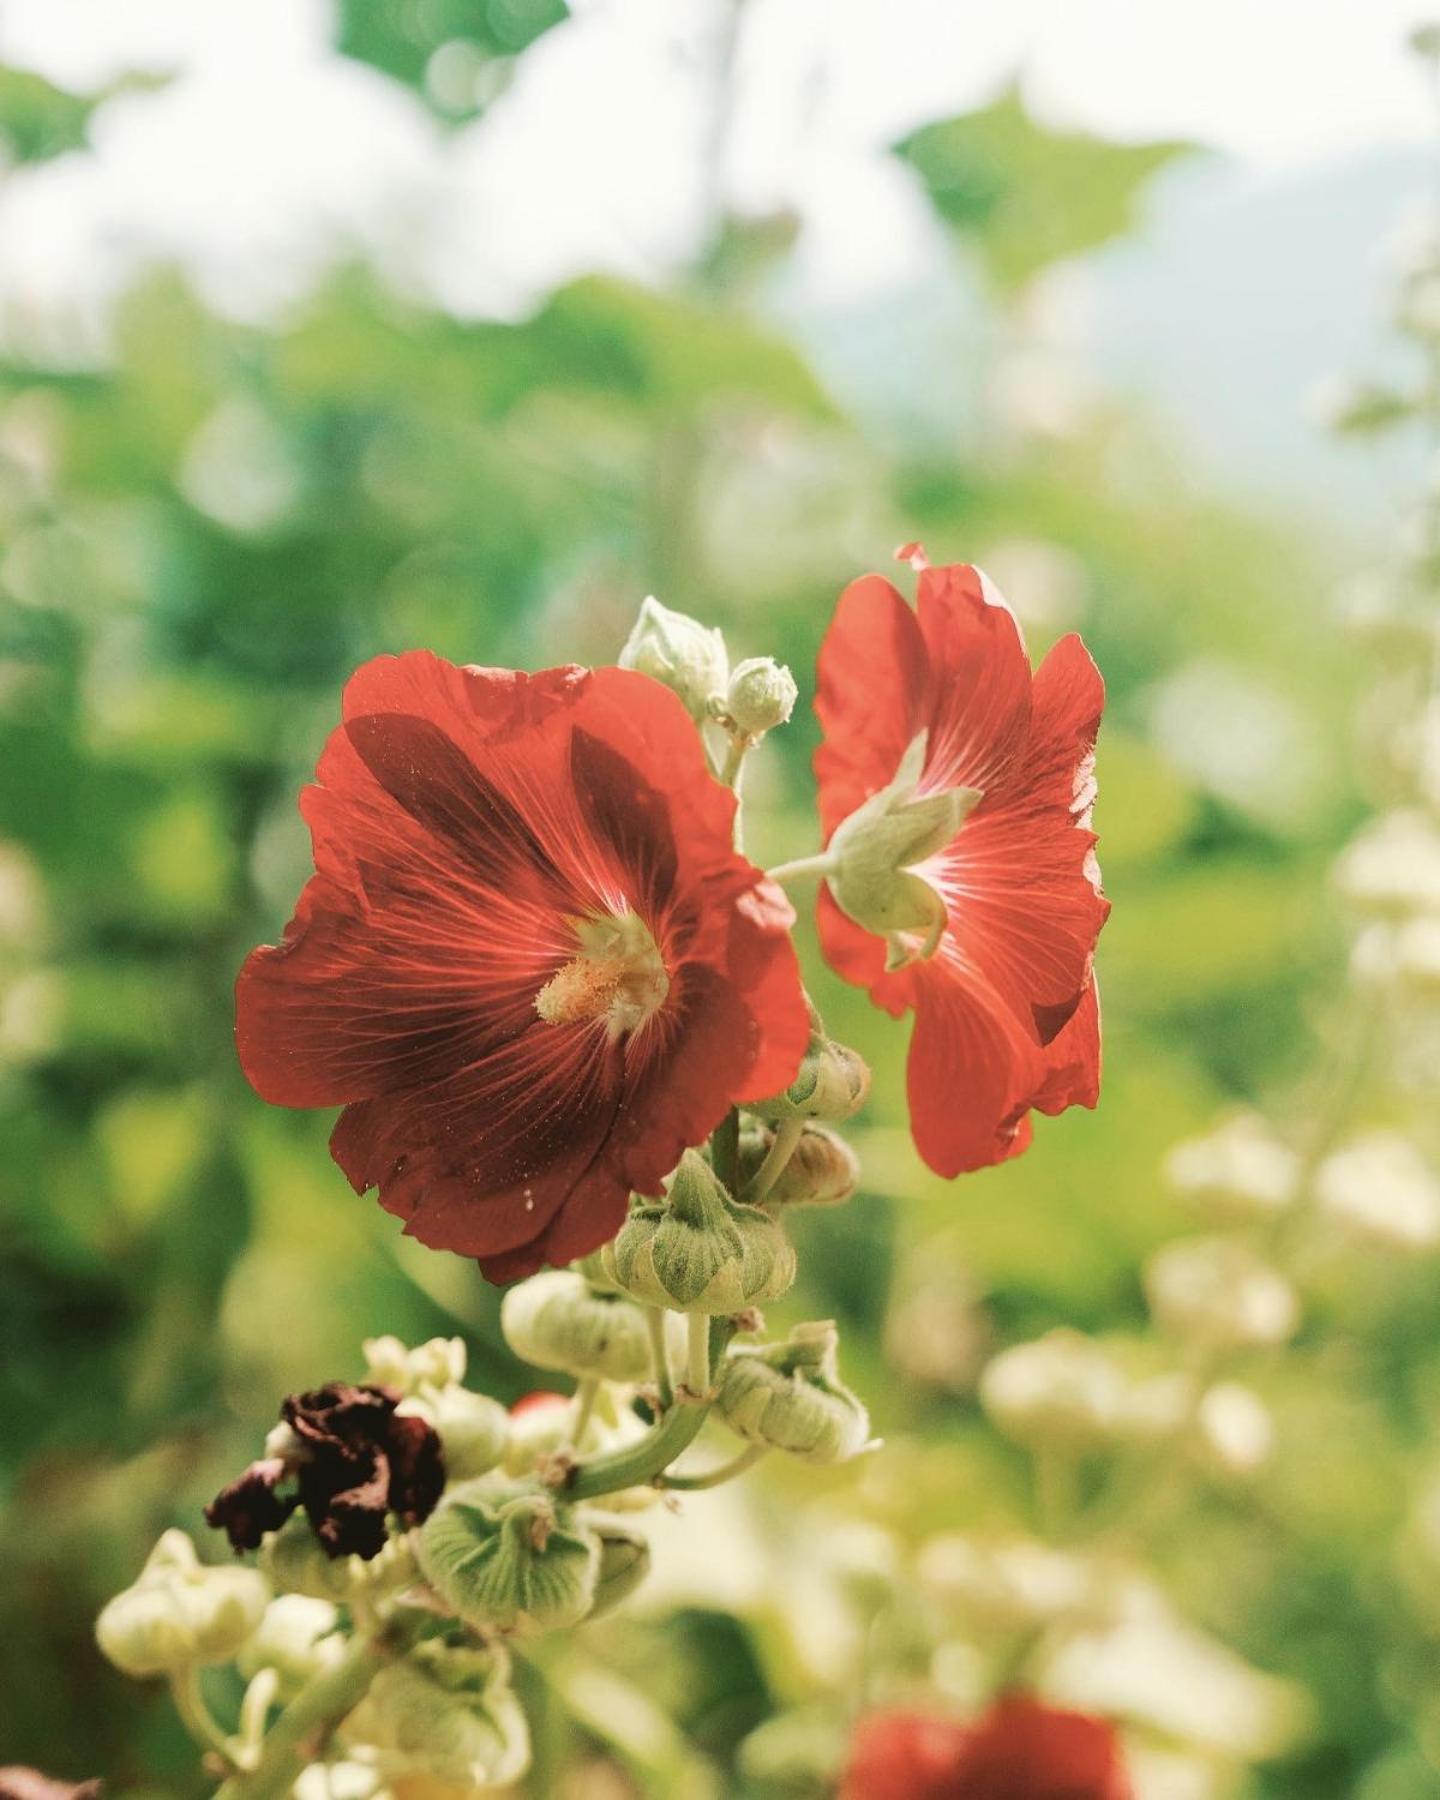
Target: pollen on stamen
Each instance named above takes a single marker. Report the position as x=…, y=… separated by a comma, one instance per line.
x=582, y=989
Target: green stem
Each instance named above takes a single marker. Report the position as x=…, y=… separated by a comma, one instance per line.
x=197, y=1718
x=787, y=1136
x=726, y=1471
x=586, y=1394
x=821, y=864
x=660, y=1356
x=725, y=1150
x=735, y=753
x=310, y=1717
x=697, y=1374
x=638, y=1464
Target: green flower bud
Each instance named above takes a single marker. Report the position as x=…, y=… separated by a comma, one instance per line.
x=683, y=654
x=823, y=1170
x=624, y=1562
x=445, y=1712
x=509, y=1559
x=697, y=1251
x=297, y=1638
x=877, y=855
x=556, y=1320
x=473, y=1428
x=296, y=1563
x=592, y=1267
x=790, y=1397
x=179, y=1613
x=762, y=695
x=832, y=1082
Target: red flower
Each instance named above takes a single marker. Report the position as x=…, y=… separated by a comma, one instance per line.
x=1020, y=1750
x=530, y=964
x=1000, y=978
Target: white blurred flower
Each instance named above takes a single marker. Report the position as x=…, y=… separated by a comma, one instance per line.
x=1235, y=1428
x=1379, y=1189
x=1169, y=1775
x=22, y=897
x=1009, y=1585
x=1240, y=1171
x=1153, y=1668
x=32, y=1012
x=238, y=468
x=1060, y=1389
x=1237, y=735
x=1392, y=867
x=1045, y=584
x=1218, y=1292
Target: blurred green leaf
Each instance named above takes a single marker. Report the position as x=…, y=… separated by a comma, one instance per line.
x=449, y=51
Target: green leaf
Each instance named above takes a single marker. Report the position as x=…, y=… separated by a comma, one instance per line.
x=39, y=120
x=1025, y=196
x=454, y=53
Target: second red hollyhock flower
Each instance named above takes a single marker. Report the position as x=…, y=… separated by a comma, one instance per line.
x=530, y=964
x=1020, y=1750
x=974, y=896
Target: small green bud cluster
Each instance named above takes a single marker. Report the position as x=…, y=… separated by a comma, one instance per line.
x=790, y=1397
x=473, y=1428
x=831, y=1085
x=180, y=1613
x=445, y=1713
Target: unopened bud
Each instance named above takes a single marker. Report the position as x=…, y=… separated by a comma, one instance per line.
x=790, y=1397
x=762, y=695
x=445, y=1712
x=832, y=1083
x=179, y=1613
x=1061, y=1390
x=1216, y=1291
x=877, y=857
x=473, y=1429
x=298, y=1638
x=683, y=654
x=624, y=1563
x=698, y=1251
x=438, y=1363
x=1379, y=1190
x=823, y=1170
x=296, y=1562
x=509, y=1559
x=1239, y=1172
x=556, y=1320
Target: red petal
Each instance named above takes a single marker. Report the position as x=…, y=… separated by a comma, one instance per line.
x=871, y=686
x=1025, y=1750
x=980, y=704
x=1073, y=1059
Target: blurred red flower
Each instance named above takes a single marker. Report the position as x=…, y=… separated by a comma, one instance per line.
x=530, y=964
x=1002, y=987
x=1020, y=1750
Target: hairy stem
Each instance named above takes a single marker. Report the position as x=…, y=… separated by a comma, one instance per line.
x=820, y=864
x=197, y=1718
x=697, y=1370
x=586, y=1394
x=787, y=1136
x=725, y=1149
x=726, y=1471
x=660, y=1356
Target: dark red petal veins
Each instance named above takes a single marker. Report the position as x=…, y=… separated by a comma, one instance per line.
x=872, y=684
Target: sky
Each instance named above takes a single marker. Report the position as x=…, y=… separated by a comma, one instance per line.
x=267, y=152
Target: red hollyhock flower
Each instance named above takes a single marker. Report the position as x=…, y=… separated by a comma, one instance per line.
x=988, y=931
x=530, y=964
x=1020, y=1750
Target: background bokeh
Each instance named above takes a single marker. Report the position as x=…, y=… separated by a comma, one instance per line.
x=219, y=496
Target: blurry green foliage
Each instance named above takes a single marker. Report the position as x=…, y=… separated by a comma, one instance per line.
x=446, y=50
x=1026, y=196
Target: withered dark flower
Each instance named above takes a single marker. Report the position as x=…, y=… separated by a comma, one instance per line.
x=19, y=1783
x=354, y=1460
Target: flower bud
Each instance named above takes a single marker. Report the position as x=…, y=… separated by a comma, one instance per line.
x=178, y=1613
x=438, y=1363
x=1239, y=1172
x=762, y=695
x=1379, y=1190
x=624, y=1563
x=473, y=1429
x=297, y=1638
x=683, y=654
x=823, y=1170
x=509, y=1559
x=1235, y=1429
x=1058, y=1391
x=878, y=854
x=445, y=1712
x=832, y=1083
x=697, y=1251
x=790, y=1397
x=556, y=1320
x=1391, y=869
x=296, y=1562
x=1216, y=1291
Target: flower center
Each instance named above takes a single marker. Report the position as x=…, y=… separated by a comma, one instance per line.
x=618, y=976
